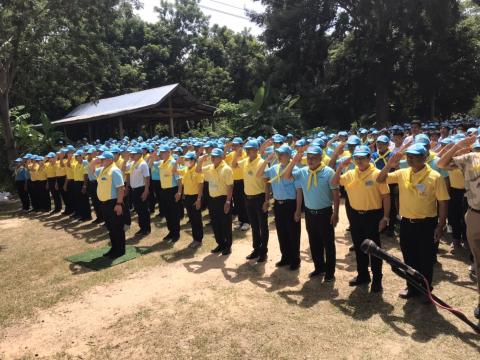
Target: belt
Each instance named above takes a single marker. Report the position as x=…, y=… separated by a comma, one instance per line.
x=417, y=221
x=474, y=210
x=283, y=202
x=366, y=212
x=323, y=211
x=251, y=197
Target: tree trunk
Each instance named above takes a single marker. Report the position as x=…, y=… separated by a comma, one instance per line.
x=7, y=132
x=381, y=102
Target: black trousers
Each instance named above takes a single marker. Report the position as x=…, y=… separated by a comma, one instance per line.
x=115, y=225
x=239, y=206
x=365, y=226
x=157, y=189
x=69, y=197
x=151, y=198
x=206, y=195
x=82, y=203
x=348, y=209
x=22, y=190
x=92, y=192
x=44, y=203
x=127, y=201
x=288, y=230
x=57, y=200
x=418, y=246
x=221, y=222
x=195, y=217
x=171, y=210
x=321, y=236
x=61, y=182
x=142, y=208
x=457, y=208
x=259, y=222
x=393, y=206
x=32, y=194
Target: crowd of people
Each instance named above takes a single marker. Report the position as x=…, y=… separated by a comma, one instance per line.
x=417, y=177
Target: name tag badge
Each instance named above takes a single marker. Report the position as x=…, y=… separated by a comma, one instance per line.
x=104, y=178
x=420, y=187
x=369, y=183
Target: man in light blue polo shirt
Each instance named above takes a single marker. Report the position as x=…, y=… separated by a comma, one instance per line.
x=319, y=195
x=287, y=206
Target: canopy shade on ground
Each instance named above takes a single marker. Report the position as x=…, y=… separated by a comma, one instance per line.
x=142, y=108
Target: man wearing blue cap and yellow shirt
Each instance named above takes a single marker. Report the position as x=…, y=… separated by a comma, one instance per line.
x=239, y=209
x=110, y=192
x=256, y=199
x=68, y=186
x=140, y=184
x=92, y=186
x=171, y=194
x=319, y=195
x=370, y=203
x=82, y=203
x=60, y=173
x=192, y=183
x=423, y=221
x=44, y=203
x=287, y=207
x=51, y=170
x=220, y=186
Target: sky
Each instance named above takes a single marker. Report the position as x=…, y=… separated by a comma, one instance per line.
x=216, y=9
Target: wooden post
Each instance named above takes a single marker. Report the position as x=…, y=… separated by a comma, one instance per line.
x=170, y=113
x=120, y=127
x=90, y=136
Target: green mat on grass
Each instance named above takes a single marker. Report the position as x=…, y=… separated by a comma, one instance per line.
x=94, y=259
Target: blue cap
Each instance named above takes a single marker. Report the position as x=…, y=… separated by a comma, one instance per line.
x=417, y=149
x=190, y=155
x=363, y=132
x=446, y=141
x=251, y=144
x=178, y=149
x=342, y=133
x=51, y=155
x=106, y=155
x=284, y=149
x=163, y=148
x=91, y=150
x=383, y=139
x=18, y=160
x=314, y=150
x=79, y=153
x=301, y=142
x=422, y=139
x=28, y=156
x=472, y=130
x=362, y=150
x=115, y=149
x=354, y=140
x=216, y=152
x=135, y=150
x=289, y=136
x=318, y=142
x=269, y=150
x=237, y=141
x=476, y=145
x=277, y=138
x=197, y=144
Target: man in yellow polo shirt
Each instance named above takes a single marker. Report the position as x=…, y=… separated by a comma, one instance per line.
x=80, y=177
x=370, y=203
x=110, y=192
x=457, y=208
x=256, y=199
x=220, y=186
x=68, y=187
x=238, y=208
x=192, y=182
x=420, y=190
x=51, y=170
x=61, y=173
x=41, y=185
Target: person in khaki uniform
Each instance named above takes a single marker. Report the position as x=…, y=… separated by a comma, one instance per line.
x=459, y=156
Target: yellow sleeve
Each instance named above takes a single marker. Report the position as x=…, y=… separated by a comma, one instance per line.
x=346, y=178
x=441, y=192
x=383, y=188
x=394, y=177
x=206, y=172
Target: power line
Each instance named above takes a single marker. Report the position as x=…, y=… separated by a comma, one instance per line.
x=225, y=4
x=224, y=12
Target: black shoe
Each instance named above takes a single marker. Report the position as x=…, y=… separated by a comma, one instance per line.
x=390, y=233
x=253, y=255
x=347, y=229
x=226, y=251
x=351, y=248
x=116, y=255
x=476, y=312
x=108, y=253
x=294, y=267
x=175, y=239
x=262, y=258
x=376, y=287
x=329, y=279
x=407, y=294
x=316, y=273
x=218, y=249
x=356, y=281
x=139, y=232
x=282, y=263
x=167, y=238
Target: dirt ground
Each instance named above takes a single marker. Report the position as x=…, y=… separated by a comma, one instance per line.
x=177, y=303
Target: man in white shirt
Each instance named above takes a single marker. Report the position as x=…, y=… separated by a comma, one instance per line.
x=140, y=184
x=415, y=129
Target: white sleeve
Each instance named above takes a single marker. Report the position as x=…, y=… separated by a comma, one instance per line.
x=145, y=170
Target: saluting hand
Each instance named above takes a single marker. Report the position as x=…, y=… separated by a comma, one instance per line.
x=345, y=163
x=467, y=142
x=298, y=157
